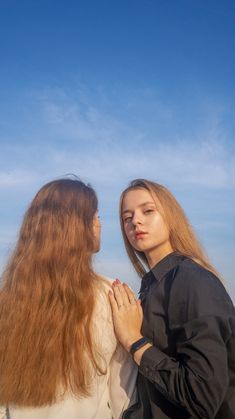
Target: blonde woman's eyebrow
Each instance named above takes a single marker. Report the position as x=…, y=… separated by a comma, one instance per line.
x=140, y=206
x=147, y=203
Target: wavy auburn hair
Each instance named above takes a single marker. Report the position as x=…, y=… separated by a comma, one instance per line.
x=47, y=299
x=181, y=234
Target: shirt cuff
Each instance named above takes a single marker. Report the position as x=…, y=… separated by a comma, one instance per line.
x=150, y=360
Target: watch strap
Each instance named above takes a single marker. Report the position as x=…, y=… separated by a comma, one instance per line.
x=139, y=344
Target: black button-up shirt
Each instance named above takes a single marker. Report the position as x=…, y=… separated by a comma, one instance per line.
x=189, y=372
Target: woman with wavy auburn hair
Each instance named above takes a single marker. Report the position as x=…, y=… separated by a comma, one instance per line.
x=59, y=356
x=184, y=345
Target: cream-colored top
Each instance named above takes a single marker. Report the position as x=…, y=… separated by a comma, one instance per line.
x=110, y=393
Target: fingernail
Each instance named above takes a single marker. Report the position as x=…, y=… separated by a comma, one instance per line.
x=118, y=281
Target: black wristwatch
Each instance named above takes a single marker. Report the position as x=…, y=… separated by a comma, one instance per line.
x=138, y=344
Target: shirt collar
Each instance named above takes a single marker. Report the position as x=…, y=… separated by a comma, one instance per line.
x=165, y=265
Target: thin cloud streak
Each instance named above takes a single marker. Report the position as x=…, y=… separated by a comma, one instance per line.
x=105, y=142
x=206, y=165
x=16, y=178
x=86, y=134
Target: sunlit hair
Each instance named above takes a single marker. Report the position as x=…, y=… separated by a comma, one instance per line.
x=47, y=299
x=181, y=234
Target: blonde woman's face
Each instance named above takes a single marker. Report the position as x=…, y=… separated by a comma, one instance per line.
x=144, y=225
x=97, y=232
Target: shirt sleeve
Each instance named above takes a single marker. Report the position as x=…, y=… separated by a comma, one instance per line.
x=197, y=377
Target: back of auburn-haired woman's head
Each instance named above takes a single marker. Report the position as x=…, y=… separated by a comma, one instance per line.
x=47, y=298
x=181, y=234
x=60, y=217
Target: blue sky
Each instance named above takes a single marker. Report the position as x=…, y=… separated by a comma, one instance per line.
x=114, y=90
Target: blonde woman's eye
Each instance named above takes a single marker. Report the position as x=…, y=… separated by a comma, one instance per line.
x=147, y=211
x=127, y=219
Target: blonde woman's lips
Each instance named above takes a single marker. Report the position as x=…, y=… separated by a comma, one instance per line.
x=140, y=235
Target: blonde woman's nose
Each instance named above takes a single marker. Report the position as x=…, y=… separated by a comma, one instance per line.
x=136, y=219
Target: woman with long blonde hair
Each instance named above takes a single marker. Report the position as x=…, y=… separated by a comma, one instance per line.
x=59, y=356
x=183, y=341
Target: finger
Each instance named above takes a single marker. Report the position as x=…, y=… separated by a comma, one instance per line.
x=123, y=293
x=130, y=294
x=113, y=302
x=117, y=296
x=140, y=309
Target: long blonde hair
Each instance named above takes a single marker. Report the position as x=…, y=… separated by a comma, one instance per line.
x=181, y=234
x=47, y=299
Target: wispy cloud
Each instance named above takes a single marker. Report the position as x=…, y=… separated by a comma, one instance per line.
x=206, y=164
x=108, y=145
x=117, y=145
x=16, y=177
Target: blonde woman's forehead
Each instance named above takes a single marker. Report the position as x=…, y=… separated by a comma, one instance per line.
x=135, y=198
